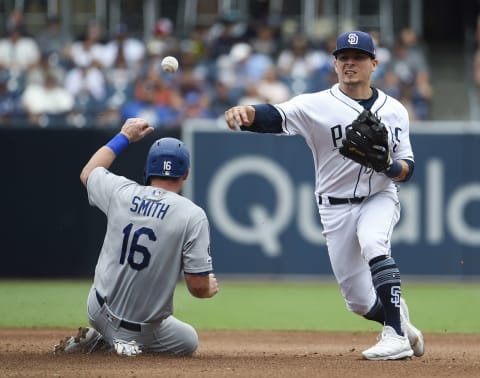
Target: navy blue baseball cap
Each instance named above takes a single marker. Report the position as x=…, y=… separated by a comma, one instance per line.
x=357, y=40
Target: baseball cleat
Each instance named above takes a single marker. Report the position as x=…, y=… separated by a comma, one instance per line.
x=414, y=335
x=390, y=347
x=87, y=340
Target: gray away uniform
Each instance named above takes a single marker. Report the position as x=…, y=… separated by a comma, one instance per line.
x=152, y=235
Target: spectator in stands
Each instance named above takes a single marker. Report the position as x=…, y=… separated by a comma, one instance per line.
x=416, y=54
x=88, y=51
x=422, y=96
x=251, y=63
x=250, y=95
x=187, y=81
x=265, y=41
x=122, y=63
x=10, y=101
x=194, y=93
x=414, y=79
x=162, y=39
x=153, y=60
x=36, y=75
x=476, y=68
x=18, y=53
x=476, y=72
x=44, y=101
x=221, y=98
x=391, y=84
x=223, y=34
x=123, y=50
x=196, y=105
x=271, y=89
x=15, y=17
x=87, y=84
x=324, y=76
x=157, y=115
x=242, y=67
x=53, y=41
x=155, y=100
x=109, y=117
x=192, y=60
x=197, y=44
x=154, y=86
x=383, y=56
x=299, y=62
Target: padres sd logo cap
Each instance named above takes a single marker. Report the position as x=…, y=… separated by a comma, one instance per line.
x=355, y=40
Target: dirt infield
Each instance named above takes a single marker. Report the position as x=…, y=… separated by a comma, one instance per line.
x=27, y=353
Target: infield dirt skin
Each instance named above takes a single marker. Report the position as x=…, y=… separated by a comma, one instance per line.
x=28, y=353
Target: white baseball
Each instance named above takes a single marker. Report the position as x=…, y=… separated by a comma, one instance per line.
x=170, y=64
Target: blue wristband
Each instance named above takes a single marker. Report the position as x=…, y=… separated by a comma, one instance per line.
x=394, y=170
x=118, y=143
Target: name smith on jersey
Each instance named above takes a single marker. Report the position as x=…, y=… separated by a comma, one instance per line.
x=149, y=207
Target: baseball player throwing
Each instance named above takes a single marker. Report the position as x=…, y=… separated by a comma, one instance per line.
x=359, y=138
x=152, y=234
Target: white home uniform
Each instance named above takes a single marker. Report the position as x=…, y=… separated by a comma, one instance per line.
x=152, y=235
x=358, y=206
x=353, y=238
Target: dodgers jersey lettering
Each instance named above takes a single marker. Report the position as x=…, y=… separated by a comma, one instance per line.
x=145, y=227
x=321, y=118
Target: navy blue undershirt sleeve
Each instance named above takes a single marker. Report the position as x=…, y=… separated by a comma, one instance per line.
x=411, y=168
x=267, y=120
x=199, y=273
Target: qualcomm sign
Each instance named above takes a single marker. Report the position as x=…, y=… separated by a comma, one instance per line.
x=293, y=201
x=258, y=192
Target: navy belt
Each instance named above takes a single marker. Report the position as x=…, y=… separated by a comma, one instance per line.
x=342, y=201
x=135, y=327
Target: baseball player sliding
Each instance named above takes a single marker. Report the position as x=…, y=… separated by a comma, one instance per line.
x=152, y=234
x=360, y=142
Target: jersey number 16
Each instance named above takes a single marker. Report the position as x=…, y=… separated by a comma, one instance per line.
x=135, y=247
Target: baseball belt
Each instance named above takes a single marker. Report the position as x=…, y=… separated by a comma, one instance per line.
x=342, y=201
x=135, y=327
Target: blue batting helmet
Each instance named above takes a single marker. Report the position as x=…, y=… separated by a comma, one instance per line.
x=167, y=157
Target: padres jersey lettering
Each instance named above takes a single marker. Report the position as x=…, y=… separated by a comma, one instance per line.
x=316, y=116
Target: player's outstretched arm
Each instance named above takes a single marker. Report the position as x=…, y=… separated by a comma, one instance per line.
x=242, y=115
x=201, y=286
x=133, y=130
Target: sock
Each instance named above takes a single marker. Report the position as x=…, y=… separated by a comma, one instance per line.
x=386, y=280
x=376, y=313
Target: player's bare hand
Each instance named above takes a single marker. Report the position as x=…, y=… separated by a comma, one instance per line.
x=213, y=285
x=237, y=116
x=136, y=129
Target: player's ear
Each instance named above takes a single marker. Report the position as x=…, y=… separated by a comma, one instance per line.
x=374, y=65
x=185, y=176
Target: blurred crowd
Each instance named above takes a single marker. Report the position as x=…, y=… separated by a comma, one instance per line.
x=55, y=79
x=476, y=69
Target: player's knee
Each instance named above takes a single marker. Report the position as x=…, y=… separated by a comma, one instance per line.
x=189, y=342
x=358, y=293
x=373, y=249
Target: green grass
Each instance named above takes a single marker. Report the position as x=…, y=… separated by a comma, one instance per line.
x=279, y=305
x=43, y=303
